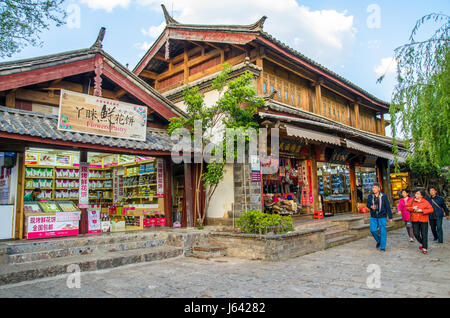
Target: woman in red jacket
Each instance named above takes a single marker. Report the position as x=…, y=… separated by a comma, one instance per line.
x=420, y=208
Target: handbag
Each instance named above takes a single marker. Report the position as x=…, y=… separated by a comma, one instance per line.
x=409, y=224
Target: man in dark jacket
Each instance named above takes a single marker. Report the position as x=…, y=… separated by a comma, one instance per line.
x=440, y=208
x=380, y=208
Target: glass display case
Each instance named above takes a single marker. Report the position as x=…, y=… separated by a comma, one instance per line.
x=67, y=206
x=49, y=206
x=31, y=207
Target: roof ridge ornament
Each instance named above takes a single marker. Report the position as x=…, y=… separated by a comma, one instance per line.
x=99, y=42
x=259, y=24
x=168, y=17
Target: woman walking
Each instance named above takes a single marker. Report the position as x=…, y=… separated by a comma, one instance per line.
x=420, y=208
x=401, y=208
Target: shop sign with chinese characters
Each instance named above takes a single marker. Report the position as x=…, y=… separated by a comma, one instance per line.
x=101, y=116
x=83, y=200
x=160, y=178
x=48, y=226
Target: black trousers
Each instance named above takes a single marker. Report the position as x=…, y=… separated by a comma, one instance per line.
x=421, y=233
x=434, y=230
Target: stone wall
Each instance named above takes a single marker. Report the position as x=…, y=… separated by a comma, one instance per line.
x=270, y=247
x=247, y=194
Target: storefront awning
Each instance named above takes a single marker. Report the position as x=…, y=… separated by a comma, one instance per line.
x=312, y=135
x=372, y=151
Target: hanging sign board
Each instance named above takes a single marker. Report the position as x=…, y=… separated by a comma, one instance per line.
x=83, y=200
x=101, y=116
x=160, y=178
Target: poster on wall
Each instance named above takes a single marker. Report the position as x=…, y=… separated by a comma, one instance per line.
x=47, y=159
x=101, y=116
x=94, y=222
x=63, y=160
x=5, y=181
x=31, y=158
x=160, y=178
x=83, y=200
x=110, y=161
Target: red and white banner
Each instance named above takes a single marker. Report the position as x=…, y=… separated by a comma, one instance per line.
x=47, y=226
x=83, y=199
x=94, y=222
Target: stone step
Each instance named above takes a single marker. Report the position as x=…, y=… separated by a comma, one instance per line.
x=41, y=245
x=210, y=251
x=16, y=273
x=339, y=240
x=329, y=234
x=83, y=250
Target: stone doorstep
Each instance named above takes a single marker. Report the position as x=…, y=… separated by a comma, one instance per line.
x=84, y=250
x=209, y=248
x=334, y=233
x=16, y=273
x=28, y=246
x=340, y=240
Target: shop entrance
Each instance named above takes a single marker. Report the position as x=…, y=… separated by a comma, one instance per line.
x=289, y=191
x=365, y=178
x=120, y=192
x=334, y=188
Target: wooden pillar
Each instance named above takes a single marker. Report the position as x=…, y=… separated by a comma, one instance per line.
x=384, y=178
x=20, y=219
x=356, y=110
x=186, y=68
x=188, y=215
x=314, y=179
x=168, y=190
x=84, y=213
x=317, y=106
x=383, y=125
x=260, y=81
x=353, y=192
x=11, y=100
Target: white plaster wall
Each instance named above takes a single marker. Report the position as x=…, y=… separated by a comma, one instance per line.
x=223, y=198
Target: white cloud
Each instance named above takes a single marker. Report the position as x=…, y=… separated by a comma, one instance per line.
x=323, y=35
x=107, y=5
x=143, y=45
x=154, y=31
x=387, y=66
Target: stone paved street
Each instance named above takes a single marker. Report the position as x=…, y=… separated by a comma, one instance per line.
x=336, y=272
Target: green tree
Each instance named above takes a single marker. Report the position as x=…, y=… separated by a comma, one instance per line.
x=420, y=108
x=235, y=108
x=21, y=21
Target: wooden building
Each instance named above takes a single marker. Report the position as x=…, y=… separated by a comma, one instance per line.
x=339, y=127
x=30, y=96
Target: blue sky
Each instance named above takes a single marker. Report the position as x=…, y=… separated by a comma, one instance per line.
x=355, y=39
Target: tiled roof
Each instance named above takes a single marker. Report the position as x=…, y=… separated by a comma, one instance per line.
x=12, y=67
x=284, y=108
x=23, y=122
x=257, y=29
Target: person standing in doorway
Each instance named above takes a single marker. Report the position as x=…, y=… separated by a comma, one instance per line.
x=380, y=209
x=440, y=209
x=420, y=210
x=401, y=208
